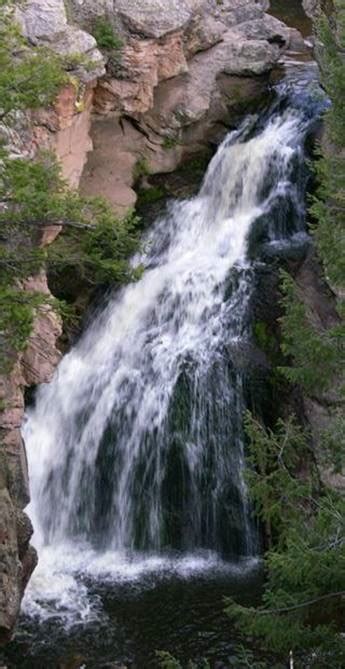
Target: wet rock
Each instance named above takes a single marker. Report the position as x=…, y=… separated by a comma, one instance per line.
x=187, y=109
x=296, y=42
x=184, y=77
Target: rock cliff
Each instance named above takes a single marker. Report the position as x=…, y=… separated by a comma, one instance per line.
x=180, y=77
x=64, y=130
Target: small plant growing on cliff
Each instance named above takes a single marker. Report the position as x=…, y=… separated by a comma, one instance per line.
x=106, y=36
x=141, y=168
x=170, y=142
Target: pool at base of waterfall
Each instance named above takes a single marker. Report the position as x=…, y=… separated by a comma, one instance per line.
x=131, y=607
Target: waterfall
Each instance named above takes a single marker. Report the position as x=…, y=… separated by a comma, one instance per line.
x=137, y=443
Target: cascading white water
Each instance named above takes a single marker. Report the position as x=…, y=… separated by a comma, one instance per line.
x=137, y=442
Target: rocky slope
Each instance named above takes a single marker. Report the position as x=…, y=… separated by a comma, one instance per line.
x=182, y=75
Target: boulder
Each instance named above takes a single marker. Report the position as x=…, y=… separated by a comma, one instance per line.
x=42, y=21
x=266, y=28
x=311, y=7
x=186, y=100
x=234, y=12
x=45, y=23
x=202, y=34
x=144, y=63
x=75, y=42
x=156, y=18
x=297, y=44
x=86, y=12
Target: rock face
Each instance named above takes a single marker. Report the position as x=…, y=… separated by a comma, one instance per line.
x=45, y=23
x=156, y=18
x=311, y=7
x=64, y=129
x=183, y=73
x=321, y=409
x=160, y=41
x=36, y=365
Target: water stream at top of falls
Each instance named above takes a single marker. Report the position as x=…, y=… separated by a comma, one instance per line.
x=136, y=447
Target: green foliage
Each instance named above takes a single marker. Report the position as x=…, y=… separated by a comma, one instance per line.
x=98, y=254
x=333, y=69
x=140, y=169
x=306, y=566
x=274, y=457
x=316, y=354
x=328, y=209
x=105, y=35
x=170, y=142
x=245, y=660
x=332, y=455
x=328, y=206
x=152, y=194
x=33, y=196
x=94, y=242
x=168, y=661
x=28, y=78
x=302, y=606
x=16, y=318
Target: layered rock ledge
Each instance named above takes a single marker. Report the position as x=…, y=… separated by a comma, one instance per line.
x=181, y=73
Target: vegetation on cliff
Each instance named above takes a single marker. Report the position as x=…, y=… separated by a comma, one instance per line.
x=33, y=196
x=302, y=609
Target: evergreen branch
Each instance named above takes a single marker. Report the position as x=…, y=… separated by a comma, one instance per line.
x=287, y=609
